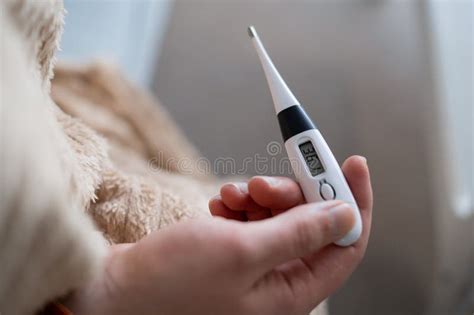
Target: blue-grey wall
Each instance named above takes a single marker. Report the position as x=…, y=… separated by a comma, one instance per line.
x=129, y=32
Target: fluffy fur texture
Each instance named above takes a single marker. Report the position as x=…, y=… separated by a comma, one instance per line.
x=141, y=187
x=47, y=246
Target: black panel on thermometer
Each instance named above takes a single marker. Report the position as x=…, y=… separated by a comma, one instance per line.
x=293, y=120
x=311, y=158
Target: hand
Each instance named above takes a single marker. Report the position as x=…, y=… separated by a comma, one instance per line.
x=280, y=265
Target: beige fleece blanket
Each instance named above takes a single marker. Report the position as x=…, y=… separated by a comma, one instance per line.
x=130, y=160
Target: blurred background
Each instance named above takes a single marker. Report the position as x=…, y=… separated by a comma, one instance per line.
x=389, y=79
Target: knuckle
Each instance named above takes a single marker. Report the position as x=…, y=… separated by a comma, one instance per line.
x=325, y=225
x=304, y=236
x=311, y=235
x=193, y=232
x=241, y=248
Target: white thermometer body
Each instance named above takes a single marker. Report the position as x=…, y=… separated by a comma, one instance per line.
x=313, y=163
x=320, y=176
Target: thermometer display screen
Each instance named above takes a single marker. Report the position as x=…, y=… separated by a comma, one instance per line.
x=311, y=157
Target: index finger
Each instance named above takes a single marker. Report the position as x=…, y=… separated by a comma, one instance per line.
x=276, y=193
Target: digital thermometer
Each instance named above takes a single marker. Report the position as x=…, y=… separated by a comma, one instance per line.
x=315, y=167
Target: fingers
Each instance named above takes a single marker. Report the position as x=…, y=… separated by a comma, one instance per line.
x=276, y=193
x=357, y=175
x=218, y=208
x=306, y=232
x=263, y=197
x=299, y=232
x=236, y=197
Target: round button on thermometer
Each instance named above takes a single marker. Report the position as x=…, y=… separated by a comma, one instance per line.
x=327, y=191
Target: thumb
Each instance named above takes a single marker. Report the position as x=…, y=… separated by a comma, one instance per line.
x=299, y=232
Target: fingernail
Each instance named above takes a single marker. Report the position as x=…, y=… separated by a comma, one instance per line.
x=342, y=218
x=364, y=158
x=272, y=181
x=216, y=197
x=241, y=186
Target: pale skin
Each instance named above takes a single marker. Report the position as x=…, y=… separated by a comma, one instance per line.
x=264, y=252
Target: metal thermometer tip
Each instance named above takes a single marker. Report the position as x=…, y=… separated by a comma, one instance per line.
x=251, y=31
x=282, y=96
